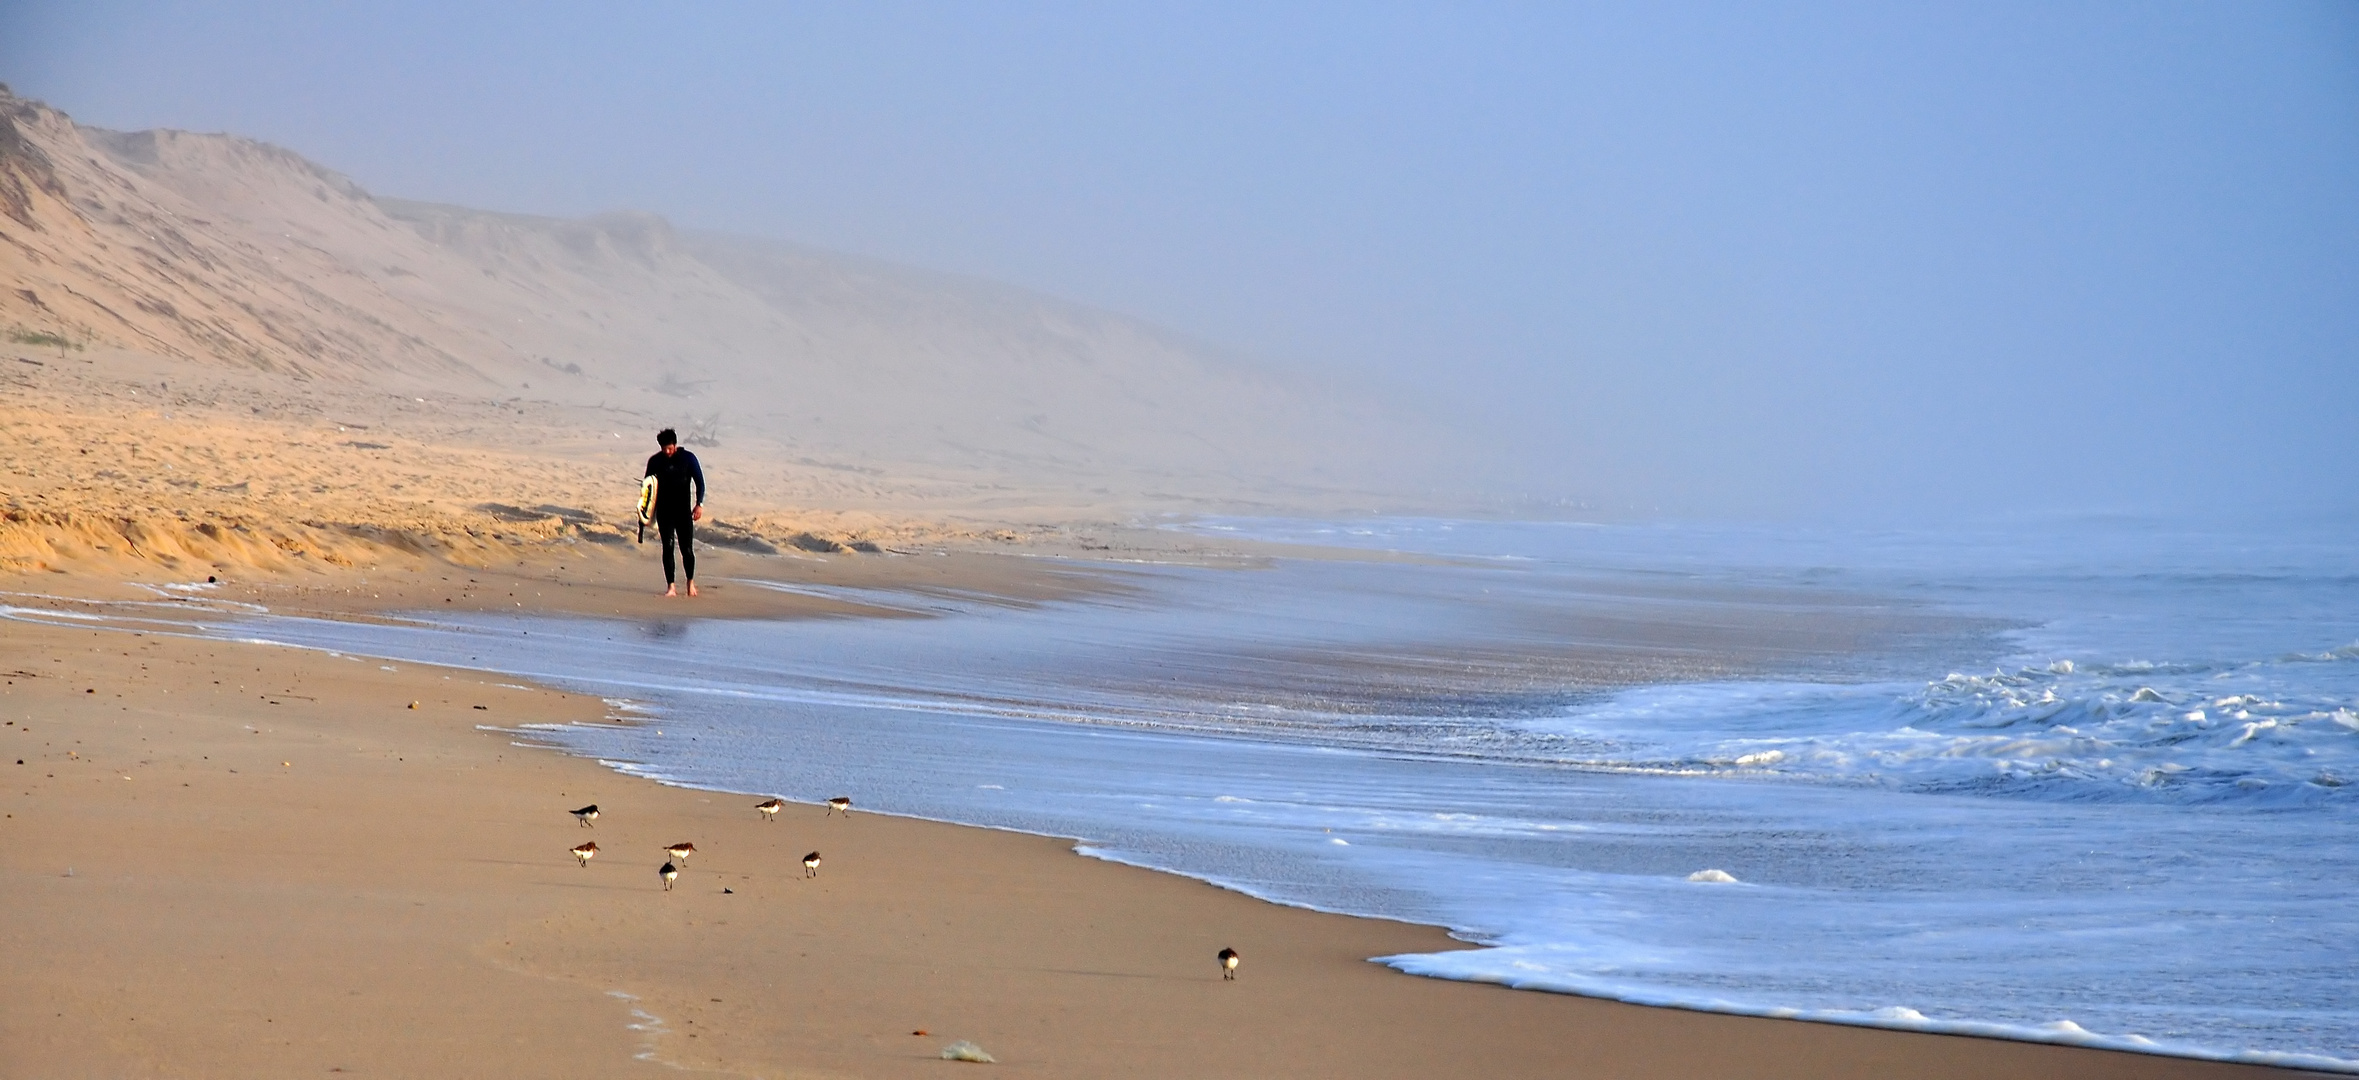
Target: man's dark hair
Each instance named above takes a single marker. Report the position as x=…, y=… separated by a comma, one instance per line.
x=666, y=437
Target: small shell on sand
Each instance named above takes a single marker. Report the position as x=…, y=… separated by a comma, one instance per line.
x=962, y=1050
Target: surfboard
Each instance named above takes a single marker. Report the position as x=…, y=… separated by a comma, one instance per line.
x=646, y=506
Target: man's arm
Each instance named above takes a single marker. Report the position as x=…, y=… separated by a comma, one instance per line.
x=696, y=473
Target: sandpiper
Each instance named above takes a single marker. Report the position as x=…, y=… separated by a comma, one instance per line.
x=1228, y=963
x=811, y=865
x=770, y=808
x=840, y=802
x=586, y=852
x=587, y=814
x=680, y=851
x=669, y=872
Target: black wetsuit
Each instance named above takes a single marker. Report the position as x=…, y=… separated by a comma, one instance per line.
x=673, y=473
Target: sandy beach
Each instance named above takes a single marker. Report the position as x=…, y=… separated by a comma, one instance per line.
x=243, y=860
x=237, y=860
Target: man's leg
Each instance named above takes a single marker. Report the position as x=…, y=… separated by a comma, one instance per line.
x=663, y=528
x=688, y=552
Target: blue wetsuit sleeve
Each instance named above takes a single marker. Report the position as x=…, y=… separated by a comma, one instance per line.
x=696, y=473
x=651, y=466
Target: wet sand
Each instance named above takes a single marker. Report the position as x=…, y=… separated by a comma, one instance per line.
x=240, y=860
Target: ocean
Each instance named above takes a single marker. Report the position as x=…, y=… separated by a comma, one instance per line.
x=2083, y=781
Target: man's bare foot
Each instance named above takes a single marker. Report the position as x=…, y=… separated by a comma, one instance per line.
x=691, y=588
x=673, y=590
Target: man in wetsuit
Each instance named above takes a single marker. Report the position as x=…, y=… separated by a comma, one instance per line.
x=675, y=513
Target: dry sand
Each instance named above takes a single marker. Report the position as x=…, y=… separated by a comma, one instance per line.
x=238, y=860
x=138, y=465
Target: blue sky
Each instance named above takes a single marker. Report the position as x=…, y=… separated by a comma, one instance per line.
x=1877, y=260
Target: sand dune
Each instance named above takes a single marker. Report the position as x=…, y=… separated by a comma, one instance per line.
x=228, y=252
x=224, y=355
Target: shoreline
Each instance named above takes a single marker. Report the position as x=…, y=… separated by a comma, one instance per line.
x=1057, y=965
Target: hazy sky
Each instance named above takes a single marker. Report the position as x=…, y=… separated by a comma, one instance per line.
x=1884, y=259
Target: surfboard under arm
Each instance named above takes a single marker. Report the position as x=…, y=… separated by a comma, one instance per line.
x=646, y=506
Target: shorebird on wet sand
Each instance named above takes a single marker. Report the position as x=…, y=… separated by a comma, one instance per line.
x=770, y=808
x=680, y=851
x=586, y=852
x=1228, y=963
x=811, y=865
x=587, y=814
x=669, y=872
x=840, y=802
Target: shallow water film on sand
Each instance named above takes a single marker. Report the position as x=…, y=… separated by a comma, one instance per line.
x=2076, y=782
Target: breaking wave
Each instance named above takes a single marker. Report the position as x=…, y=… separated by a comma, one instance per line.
x=2281, y=731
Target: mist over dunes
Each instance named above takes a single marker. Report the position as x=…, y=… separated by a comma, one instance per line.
x=236, y=256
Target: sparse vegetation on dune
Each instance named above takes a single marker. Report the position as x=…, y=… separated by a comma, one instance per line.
x=44, y=339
